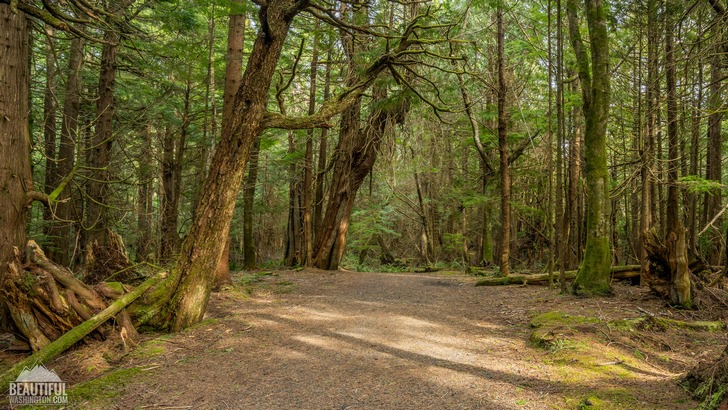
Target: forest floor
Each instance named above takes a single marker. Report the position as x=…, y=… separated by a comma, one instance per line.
x=345, y=340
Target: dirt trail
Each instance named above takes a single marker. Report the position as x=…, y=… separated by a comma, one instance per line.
x=394, y=341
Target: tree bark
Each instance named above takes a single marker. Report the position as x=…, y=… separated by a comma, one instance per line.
x=714, y=156
x=251, y=180
x=103, y=255
x=320, y=179
x=593, y=276
x=233, y=77
x=190, y=281
x=61, y=236
x=356, y=153
x=505, y=178
x=15, y=176
x=680, y=286
x=49, y=128
x=144, y=250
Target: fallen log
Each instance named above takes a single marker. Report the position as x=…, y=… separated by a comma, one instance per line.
x=74, y=335
x=618, y=273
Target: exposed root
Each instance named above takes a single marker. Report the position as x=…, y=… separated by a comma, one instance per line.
x=46, y=300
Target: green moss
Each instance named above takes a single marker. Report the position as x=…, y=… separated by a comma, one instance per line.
x=207, y=322
x=117, y=287
x=103, y=388
x=594, y=276
x=551, y=326
x=660, y=324
x=557, y=318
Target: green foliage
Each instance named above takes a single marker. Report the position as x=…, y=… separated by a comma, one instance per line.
x=696, y=184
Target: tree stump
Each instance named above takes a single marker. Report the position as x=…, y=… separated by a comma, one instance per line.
x=669, y=274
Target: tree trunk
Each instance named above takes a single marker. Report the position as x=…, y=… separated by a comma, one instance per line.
x=144, y=250
x=562, y=224
x=294, y=253
x=714, y=156
x=251, y=180
x=505, y=178
x=680, y=287
x=190, y=281
x=169, y=198
x=15, y=176
x=52, y=178
x=233, y=77
x=648, y=146
x=104, y=256
x=593, y=277
x=322, y=156
x=356, y=153
x=61, y=237
x=694, y=152
x=308, y=159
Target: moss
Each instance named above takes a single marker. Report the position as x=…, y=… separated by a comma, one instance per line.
x=557, y=318
x=546, y=325
x=117, y=287
x=660, y=324
x=102, y=388
x=151, y=349
x=594, y=276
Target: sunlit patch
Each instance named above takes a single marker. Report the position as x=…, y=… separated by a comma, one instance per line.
x=303, y=313
x=412, y=322
x=266, y=322
x=325, y=342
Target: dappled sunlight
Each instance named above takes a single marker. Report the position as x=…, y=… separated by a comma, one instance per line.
x=324, y=342
x=316, y=348
x=304, y=313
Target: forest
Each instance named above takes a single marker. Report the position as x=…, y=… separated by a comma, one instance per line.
x=157, y=155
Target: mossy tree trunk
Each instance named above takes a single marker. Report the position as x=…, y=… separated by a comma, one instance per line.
x=593, y=277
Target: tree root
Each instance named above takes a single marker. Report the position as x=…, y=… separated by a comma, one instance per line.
x=71, y=337
x=46, y=300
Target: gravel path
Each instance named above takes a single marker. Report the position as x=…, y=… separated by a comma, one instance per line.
x=343, y=340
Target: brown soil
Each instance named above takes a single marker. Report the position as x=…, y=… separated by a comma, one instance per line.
x=344, y=340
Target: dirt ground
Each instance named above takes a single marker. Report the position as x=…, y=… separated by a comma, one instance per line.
x=345, y=340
